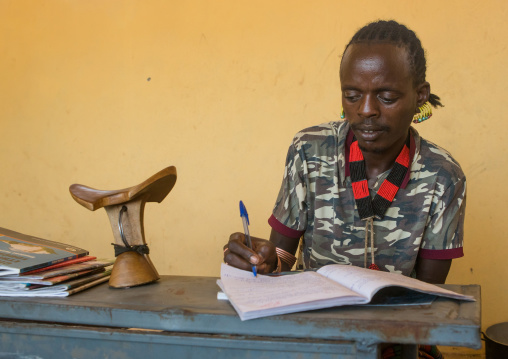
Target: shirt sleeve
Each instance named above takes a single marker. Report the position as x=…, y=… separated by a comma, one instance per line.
x=290, y=212
x=444, y=234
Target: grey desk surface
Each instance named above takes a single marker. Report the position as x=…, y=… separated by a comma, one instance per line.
x=189, y=305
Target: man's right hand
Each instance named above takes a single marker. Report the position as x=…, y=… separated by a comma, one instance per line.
x=262, y=254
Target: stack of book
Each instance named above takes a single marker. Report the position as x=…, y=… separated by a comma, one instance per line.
x=36, y=267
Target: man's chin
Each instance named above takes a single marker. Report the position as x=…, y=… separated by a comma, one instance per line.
x=371, y=148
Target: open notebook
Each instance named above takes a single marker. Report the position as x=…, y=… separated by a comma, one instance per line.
x=330, y=286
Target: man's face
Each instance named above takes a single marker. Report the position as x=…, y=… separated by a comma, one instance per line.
x=378, y=96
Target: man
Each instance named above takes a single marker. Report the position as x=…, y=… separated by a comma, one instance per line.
x=368, y=191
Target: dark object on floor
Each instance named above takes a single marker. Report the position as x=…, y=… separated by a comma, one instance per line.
x=496, y=341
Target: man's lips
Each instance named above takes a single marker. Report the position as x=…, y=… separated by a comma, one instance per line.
x=368, y=133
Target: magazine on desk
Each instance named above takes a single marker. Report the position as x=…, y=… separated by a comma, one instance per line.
x=330, y=286
x=21, y=253
x=63, y=289
x=57, y=282
x=59, y=265
x=69, y=270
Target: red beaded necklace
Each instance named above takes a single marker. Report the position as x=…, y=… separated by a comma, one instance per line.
x=369, y=209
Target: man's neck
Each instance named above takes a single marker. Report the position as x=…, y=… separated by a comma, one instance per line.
x=377, y=163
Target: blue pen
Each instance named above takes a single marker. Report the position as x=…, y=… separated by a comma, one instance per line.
x=245, y=221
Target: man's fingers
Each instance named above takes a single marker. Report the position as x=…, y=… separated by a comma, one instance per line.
x=239, y=262
x=236, y=261
x=237, y=246
x=262, y=255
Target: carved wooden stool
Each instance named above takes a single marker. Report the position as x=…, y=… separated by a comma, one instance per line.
x=125, y=209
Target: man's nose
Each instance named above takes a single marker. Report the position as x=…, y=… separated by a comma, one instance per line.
x=368, y=107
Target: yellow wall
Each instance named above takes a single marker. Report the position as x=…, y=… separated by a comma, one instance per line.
x=106, y=93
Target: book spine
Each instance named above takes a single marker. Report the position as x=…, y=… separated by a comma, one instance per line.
x=48, y=263
x=88, y=285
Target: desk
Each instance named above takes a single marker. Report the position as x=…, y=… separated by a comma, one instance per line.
x=180, y=317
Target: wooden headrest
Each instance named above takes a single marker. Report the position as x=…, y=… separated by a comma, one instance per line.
x=155, y=188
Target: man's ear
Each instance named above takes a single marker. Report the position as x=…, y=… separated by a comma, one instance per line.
x=423, y=93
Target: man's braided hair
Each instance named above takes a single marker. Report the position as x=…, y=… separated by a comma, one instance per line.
x=394, y=33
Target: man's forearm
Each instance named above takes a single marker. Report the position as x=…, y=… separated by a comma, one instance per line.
x=285, y=243
x=433, y=271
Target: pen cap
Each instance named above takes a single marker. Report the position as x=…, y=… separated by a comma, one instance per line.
x=243, y=212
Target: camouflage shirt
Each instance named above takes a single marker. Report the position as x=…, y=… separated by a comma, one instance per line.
x=316, y=200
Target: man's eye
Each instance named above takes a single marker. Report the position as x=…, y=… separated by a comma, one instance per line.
x=352, y=97
x=387, y=99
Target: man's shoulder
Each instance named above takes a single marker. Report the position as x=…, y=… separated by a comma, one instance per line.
x=322, y=133
x=435, y=158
